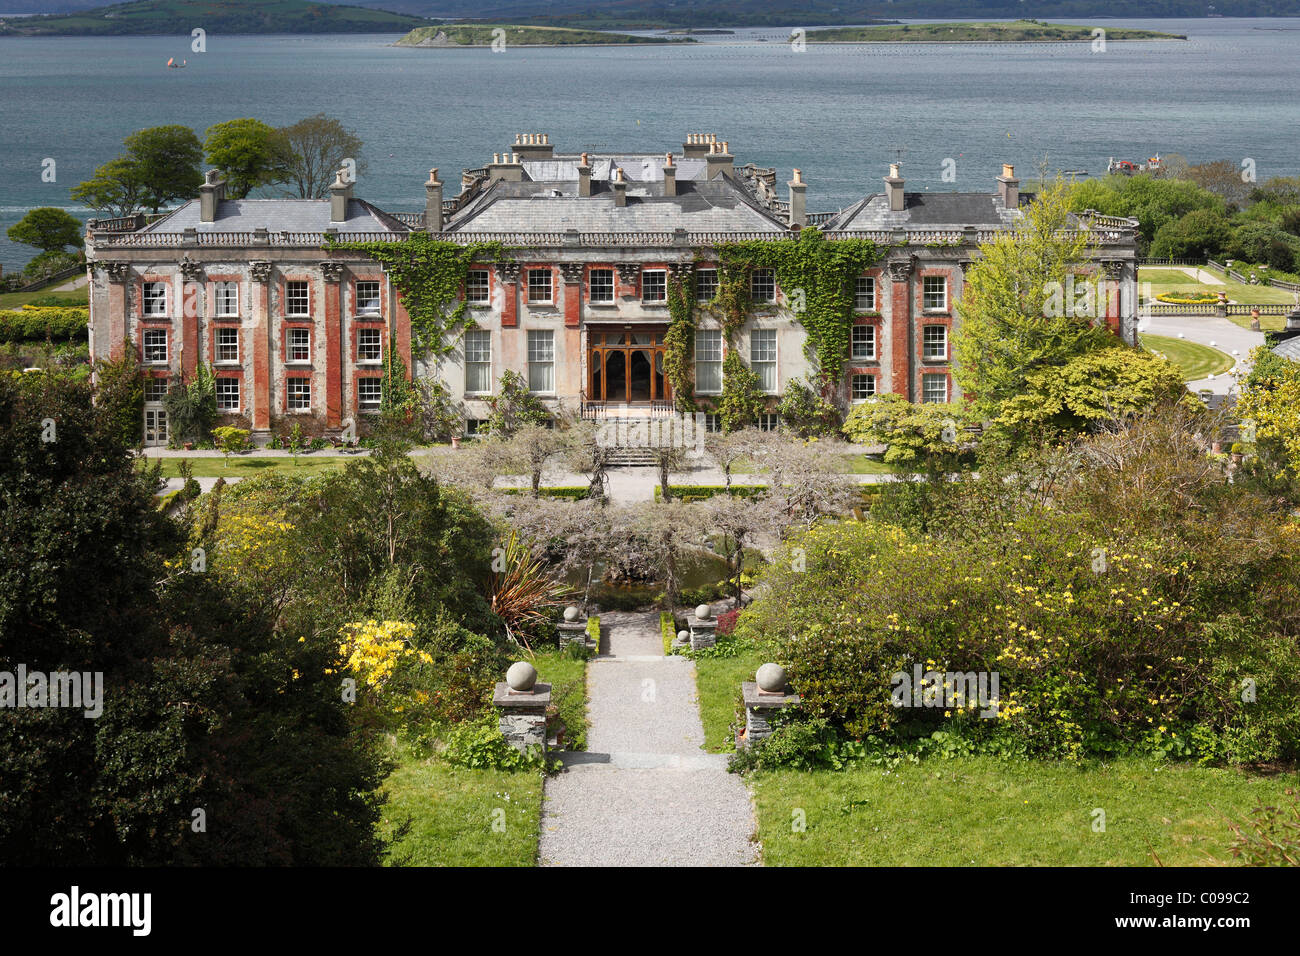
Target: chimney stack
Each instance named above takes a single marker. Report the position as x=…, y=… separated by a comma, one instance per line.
x=340, y=193
x=584, y=176
x=620, y=189
x=894, y=188
x=1009, y=187
x=505, y=166
x=433, y=203
x=532, y=146
x=719, y=161
x=697, y=145
x=211, y=193
x=670, y=176
x=798, y=200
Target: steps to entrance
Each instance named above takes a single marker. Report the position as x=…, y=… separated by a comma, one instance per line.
x=631, y=458
x=644, y=793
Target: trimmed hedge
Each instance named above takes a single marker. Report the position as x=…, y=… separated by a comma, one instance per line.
x=593, y=630
x=690, y=493
x=569, y=492
x=668, y=628
x=37, y=324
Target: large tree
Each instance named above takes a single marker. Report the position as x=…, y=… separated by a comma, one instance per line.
x=248, y=152
x=1019, y=315
x=161, y=165
x=314, y=149
x=49, y=229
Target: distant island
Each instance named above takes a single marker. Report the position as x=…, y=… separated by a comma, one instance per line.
x=1018, y=31
x=483, y=34
x=155, y=17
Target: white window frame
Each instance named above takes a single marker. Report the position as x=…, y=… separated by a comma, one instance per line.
x=541, y=361
x=152, y=355
x=658, y=279
x=225, y=331
x=478, y=287
x=154, y=297
x=226, y=295
x=291, y=298
x=712, y=284
x=362, y=346
x=362, y=403
x=926, y=381
x=869, y=296
x=764, y=363
x=226, y=381
x=867, y=391
x=762, y=276
x=478, y=356
x=150, y=383
x=929, y=351
x=769, y=422
x=606, y=282
x=296, y=386
x=713, y=338
x=363, y=299
x=291, y=347
x=867, y=332
x=550, y=287
x=929, y=297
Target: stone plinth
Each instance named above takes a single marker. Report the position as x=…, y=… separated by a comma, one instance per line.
x=704, y=630
x=572, y=633
x=522, y=715
x=760, y=706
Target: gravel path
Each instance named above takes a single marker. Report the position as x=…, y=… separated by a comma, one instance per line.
x=645, y=793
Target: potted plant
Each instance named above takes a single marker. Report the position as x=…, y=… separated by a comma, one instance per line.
x=1237, y=451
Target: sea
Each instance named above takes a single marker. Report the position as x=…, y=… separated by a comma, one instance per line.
x=950, y=113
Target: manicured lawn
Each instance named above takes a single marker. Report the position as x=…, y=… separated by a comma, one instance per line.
x=1196, y=361
x=240, y=466
x=451, y=813
x=568, y=679
x=1173, y=280
x=985, y=811
x=717, y=681
x=12, y=300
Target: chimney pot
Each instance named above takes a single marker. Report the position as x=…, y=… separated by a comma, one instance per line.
x=668, y=159
x=894, y=188
x=1009, y=187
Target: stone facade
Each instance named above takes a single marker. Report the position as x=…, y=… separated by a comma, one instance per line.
x=295, y=333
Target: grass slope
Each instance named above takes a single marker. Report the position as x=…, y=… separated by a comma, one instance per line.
x=1018, y=31
x=150, y=17
x=1196, y=361
x=483, y=34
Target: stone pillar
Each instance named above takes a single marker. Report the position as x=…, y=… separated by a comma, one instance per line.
x=704, y=627
x=260, y=395
x=118, y=274
x=509, y=273
x=572, y=273
x=573, y=629
x=900, y=330
x=521, y=705
x=332, y=273
x=764, y=698
x=191, y=306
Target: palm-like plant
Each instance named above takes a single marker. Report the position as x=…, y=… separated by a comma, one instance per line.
x=522, y=592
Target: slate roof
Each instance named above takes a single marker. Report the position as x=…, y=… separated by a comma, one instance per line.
x=279, y=215
x=1290, y=349
x=937, y=209
x=637, y=167
x=715, y=205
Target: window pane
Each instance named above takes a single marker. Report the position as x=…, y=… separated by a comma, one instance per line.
x=297, y=301
x=864, y=296
x=864, y=386
x=706, y=284
x=227, y=345
x=934, y=292
x=478, y=361
x=934, y=388
x=541, y=361
x=708, y=345
x=654, y=286
x=369, y=392
x=539, y=285
x=478, y=286
x=228, y=394
x=155, y=298
x=935, y=342
x=368, y=296
x=600, y=285
x=864, y=341
x=227, y=298
x=155, y=345
x=762, y=285
x=369, y=345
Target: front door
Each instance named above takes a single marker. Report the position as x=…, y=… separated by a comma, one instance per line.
x=155, y=427
x=626, y=366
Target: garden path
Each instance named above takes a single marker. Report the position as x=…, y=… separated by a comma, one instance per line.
x=644, y=793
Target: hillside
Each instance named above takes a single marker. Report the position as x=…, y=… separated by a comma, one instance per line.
x=484, y=34
x=1019, y=31
x=149, y=17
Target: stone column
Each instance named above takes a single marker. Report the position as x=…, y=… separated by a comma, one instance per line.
x=900, y=327
x=573, y=629
x=704, y=627
x=118, y=274
x=260, y=395
x=521, y=704
x=191, y=273
x=764, y=697
x=332, y=272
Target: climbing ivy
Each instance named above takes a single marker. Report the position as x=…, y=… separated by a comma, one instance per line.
x=679, y=342
x=430, y=275
x=813, y=272
x=742, y=399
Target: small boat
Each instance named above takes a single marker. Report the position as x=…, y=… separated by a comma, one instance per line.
x=173, y=65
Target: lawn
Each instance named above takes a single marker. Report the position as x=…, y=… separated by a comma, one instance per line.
x=717, y=682
x=989, y=812
x=12, y=300
x=460, y=817
x=1196, y=361
x=248, y=467
x=1174, y=280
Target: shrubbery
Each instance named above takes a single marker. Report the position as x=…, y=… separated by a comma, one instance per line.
x=38, y=324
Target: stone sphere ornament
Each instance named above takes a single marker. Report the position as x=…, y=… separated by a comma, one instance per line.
x=571, y=613
x=521, y=676
x=703, y=612
x=771, y=678
x=683, y=636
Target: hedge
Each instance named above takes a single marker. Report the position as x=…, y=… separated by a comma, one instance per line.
x=668, y=628
x=703, y=492
x=569, y=492
x=593, y=630
x=37, y=324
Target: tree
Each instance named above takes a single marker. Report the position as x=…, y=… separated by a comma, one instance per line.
x=161, y=165
x=806, y=412
x=248, y=152
x=533, y=446
x=1200, y=234
x=728, y=449
x=49, y=229
x=1273, y=404
x=1223, y=178
x=926, y=436
x=742, y=398
x=313, y=150
x=1012, y=320
x=737, y=521
x=589, y=454
x=653, y=539
x=1151, y=201
x=514, y=406
x=805, y=482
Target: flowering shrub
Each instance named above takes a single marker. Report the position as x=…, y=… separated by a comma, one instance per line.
x=727, y=622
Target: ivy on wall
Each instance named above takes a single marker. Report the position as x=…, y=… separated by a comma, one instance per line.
x=430, y=275
x=817, y=276
x=679, y=342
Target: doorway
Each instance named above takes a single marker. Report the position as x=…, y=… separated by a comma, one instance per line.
x=627, y=367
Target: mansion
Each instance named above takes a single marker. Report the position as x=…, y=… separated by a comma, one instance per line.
x=295, y=331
